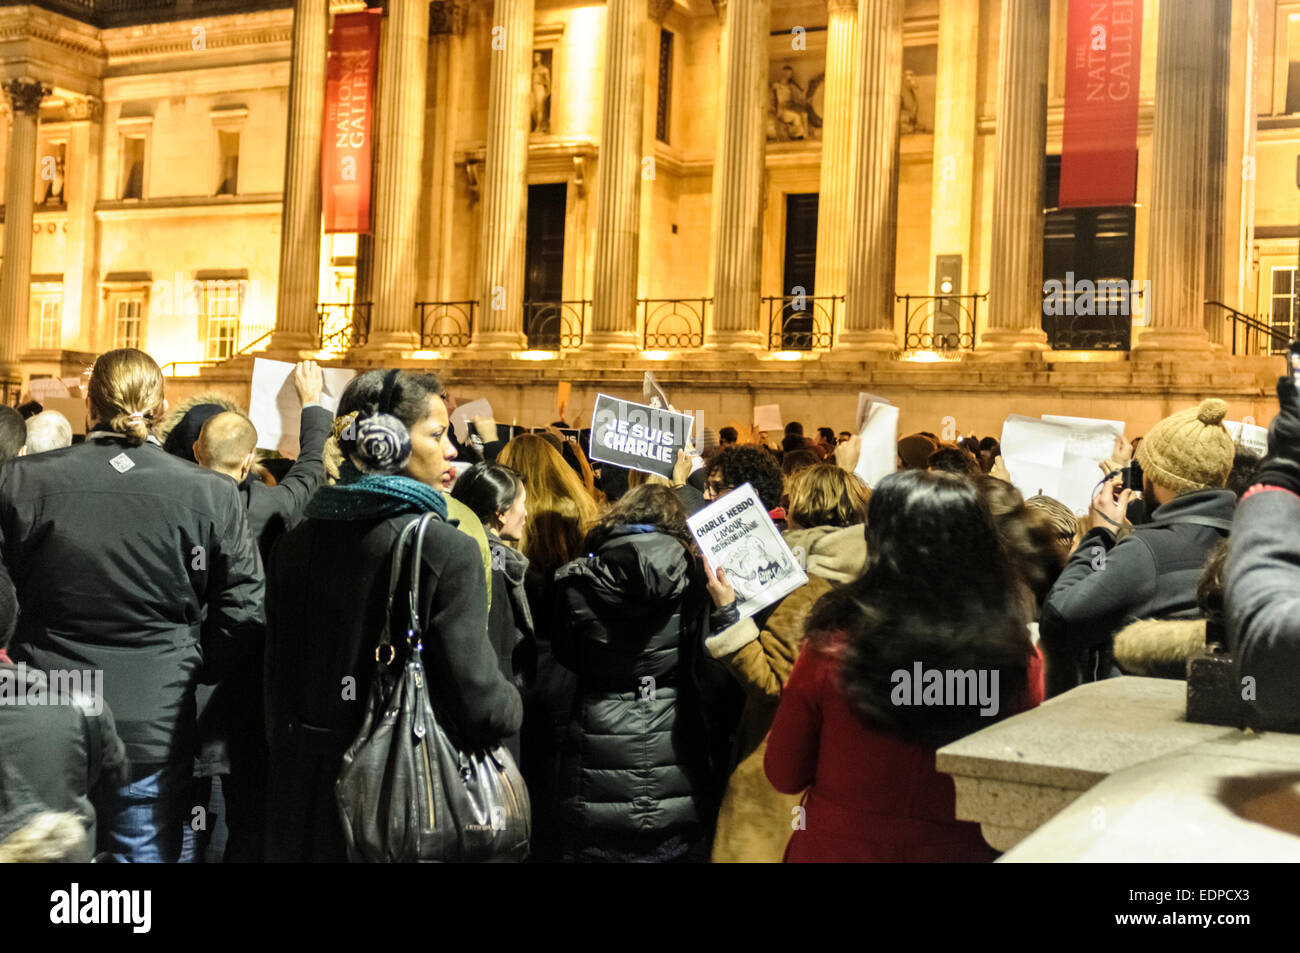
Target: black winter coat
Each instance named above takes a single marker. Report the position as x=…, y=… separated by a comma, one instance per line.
x=138, y=563
x=67, y=754
x=325, y=608
x=628, y=620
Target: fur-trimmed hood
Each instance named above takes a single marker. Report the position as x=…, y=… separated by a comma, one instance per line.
x=1159, y=648
x=836, y=553
x=175, y=414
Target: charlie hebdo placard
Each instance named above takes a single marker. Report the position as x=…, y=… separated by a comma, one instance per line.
x=736, y=534
x=636, y=436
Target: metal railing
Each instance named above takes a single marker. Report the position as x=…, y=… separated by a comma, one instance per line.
x=802, y=322
x=343, y=325
x=940, y=322
x=555, y=325
x=446, y=323
x=1097, y=317
x=673, y=324
x=1252, y=337
x=246, y=349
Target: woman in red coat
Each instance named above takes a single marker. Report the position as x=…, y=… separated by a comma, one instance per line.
x=928, y=645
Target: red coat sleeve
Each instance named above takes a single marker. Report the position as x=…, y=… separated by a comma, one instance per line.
x=792, y=744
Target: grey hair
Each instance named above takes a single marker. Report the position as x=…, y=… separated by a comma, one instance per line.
x=48, y=430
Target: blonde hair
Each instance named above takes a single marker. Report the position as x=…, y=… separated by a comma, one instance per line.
x=560, y=510
x=125, y=391
x=826, y=495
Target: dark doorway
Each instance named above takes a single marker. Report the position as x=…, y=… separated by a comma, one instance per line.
x=800, y=328
x=1096, y=245
x=544, y=316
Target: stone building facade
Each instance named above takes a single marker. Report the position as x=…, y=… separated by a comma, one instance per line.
x=763, y=201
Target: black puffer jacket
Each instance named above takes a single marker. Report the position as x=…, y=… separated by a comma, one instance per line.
x=628, y=620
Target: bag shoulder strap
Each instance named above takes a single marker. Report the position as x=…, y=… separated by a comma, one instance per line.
x=385, y=646
x=1214, y=522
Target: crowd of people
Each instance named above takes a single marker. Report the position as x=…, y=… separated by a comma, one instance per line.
x=223, y=606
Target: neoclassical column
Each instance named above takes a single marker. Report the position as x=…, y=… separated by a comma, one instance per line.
x=25, y=97
x=952, y=181
x=504, y=202
x=1016, y=260
x=300, y=224
x=739, y=213
x=81, y=192
x=838, y=115
x=618, y=199
x=403, y=59
x=1180, y=153
x=1216, y=167
x=869, y=306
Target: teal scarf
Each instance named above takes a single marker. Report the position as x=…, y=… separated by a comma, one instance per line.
x=372, y=496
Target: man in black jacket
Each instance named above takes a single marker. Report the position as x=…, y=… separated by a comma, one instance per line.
x=132, y=563
x=1262, y=577
x=231, y=723
x=1121, y=573
x=60, y=741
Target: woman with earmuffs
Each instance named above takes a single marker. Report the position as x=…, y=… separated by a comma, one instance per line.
x=326, y=596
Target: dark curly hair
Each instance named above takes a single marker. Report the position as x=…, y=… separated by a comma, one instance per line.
x=651, y=504
x=939, y=591
x=737, y=466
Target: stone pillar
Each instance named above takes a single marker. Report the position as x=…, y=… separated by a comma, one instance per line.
x=504, y=221
x=300, y=220
x=81, y=307
x=1016, y=261
x=869, y=306
x=952, y=187
x=25, y=95
x=618, y=198
x=838, y=129
x=741, y=165
x=1216, y=224
x=403, y=59
x=1180, y=154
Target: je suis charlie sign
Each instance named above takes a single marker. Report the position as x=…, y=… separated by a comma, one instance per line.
x=637, y=436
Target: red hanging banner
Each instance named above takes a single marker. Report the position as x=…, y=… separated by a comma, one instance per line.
x=1102, y=70
x=345, y=146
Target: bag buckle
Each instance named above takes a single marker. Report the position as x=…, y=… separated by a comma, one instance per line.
x=392, y=653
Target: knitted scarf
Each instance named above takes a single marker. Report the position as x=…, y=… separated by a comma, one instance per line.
x=370, y=496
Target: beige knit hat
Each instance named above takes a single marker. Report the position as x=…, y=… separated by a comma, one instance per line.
x=1190, y=450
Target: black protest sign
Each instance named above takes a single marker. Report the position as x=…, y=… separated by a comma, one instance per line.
x=636, y=436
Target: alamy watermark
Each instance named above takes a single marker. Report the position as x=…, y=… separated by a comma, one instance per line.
x=21, y=686
x=947, y=687
x=1086, y=297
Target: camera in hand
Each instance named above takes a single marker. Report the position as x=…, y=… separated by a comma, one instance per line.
x=1131, y=476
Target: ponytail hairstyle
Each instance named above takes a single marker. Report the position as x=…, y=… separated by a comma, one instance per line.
x=375, y=416
x=126, y=392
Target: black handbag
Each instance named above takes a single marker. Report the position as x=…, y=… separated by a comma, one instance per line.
x=407, y=791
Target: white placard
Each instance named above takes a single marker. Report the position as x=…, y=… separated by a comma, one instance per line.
x=736, y=534
x=464, y=413
x=1248, y=436
x=767, y=417
x=865, y=401
x=273, y=405
x=44, y=388
x=879, y=454
x=1116, y=425
x=1033, y=452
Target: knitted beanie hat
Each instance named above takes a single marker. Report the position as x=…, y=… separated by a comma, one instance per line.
x=914, y=450
x=1190, y=450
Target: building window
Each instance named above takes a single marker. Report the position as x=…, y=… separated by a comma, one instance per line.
x=133, y=157
x=222, y=307
x=228, y=172
x=47, y=309
x=1282, y=307
x=663, y=117
x=127, y=322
